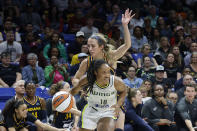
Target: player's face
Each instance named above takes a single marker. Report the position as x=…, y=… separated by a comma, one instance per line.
x=22, y=111
x=103, y=73
x=30, y=89
x=94, y=47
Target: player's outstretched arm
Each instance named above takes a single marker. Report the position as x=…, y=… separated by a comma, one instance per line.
x=78, y=86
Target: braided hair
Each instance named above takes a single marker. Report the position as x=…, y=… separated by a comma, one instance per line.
x=91, y=77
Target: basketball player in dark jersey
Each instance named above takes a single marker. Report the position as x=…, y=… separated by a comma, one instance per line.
x=16, y=117
x=67, y=120
x=35, y=105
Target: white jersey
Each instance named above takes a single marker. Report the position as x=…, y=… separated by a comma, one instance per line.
x=103, y=98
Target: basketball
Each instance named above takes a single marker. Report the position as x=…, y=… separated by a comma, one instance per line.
x=62, y=101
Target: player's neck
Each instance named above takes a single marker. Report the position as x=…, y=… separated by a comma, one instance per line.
x=102, y=83
x=31, y=98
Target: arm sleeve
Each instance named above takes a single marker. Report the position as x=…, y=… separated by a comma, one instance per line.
x=42, y=82
x=24, y=74
x=181, y=107
x=45, y=51
x=63, y=52
x=47, y=71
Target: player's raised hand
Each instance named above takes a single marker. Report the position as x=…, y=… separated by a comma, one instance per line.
x=126, y=17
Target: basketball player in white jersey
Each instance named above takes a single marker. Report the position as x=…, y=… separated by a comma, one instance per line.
x=103, y=105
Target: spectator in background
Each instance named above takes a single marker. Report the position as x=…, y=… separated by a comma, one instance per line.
x=9, y=73
x=61, y=4
x=75, y=48
x=116, y=40
x=146, y=51
x=106, y=29
x=132, y=81
x=179, y=83
x=178, y=37
x=148, y=85
x=75, y=67
x=160, y=79
x=187, y=80
x=133, y=117
x=194, y=32
x=54, y=73
x=53, y=51
x=144, y=91
x=147, y=71
x=155, y=39
x=46, y=35
x=162, y=50
x=159, y=111
x=136, y=21
x=75, y=60
x=177, y=56
x=33, y=72
x=153, y=16
x=8, y=26
x=138, y=39
x=187, y=58
x=193, y=65
x=77, y=21
x=12, y=47
x=53, y=19
x=163, y=28
x=55, y=42
x=115, y=17
x=186, y=114
x=32, y=44
x=89, y=29
x=185, y=46
x=31, y=17
x=147, y=28
x=172, y=70
x=172, y=96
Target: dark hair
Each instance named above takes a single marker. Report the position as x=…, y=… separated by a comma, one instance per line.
x=10, y=107
x=141, y=30
x=91, y=77
x=50, y=49
x=191, y=85
x=5, y=54
x=27, y=83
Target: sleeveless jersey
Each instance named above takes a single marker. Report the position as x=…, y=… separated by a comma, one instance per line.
x=34, y=108
x=103, y=97
x=90, y=59
x=63, y=120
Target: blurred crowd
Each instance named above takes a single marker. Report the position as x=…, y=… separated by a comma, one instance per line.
x=44, y=42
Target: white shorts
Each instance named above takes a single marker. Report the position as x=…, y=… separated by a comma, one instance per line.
x=90, y=117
